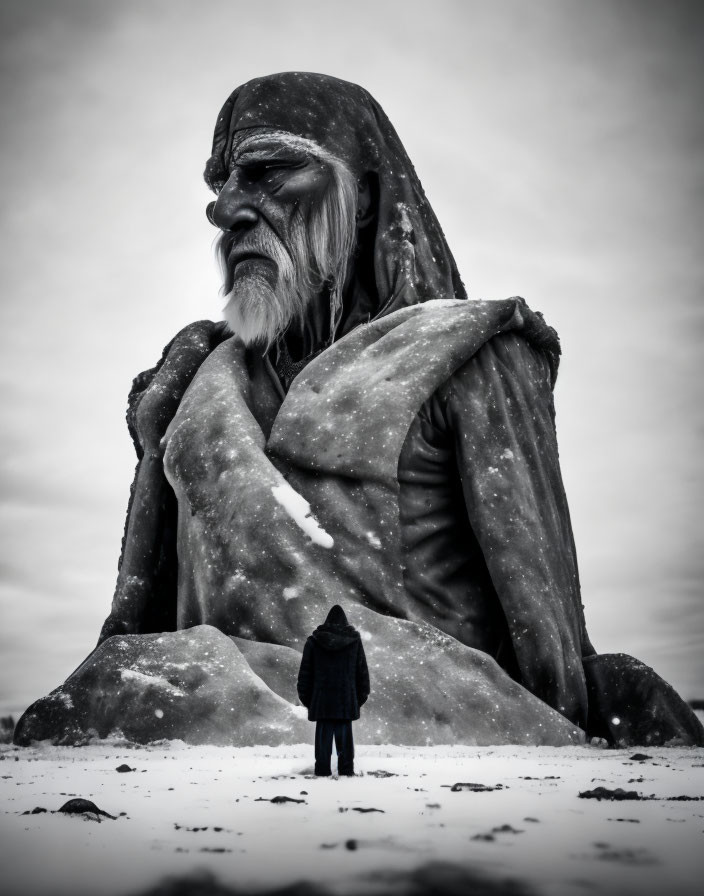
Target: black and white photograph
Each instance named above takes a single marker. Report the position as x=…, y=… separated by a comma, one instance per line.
x=351, y=454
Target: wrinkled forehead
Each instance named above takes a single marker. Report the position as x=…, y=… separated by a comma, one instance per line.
x=271, y=143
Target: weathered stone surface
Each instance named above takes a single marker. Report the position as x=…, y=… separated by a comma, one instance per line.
x=192, y=685
x=275, y=664
x=197, y=685
x=428, y=688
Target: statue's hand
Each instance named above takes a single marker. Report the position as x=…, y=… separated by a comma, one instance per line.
x=630, y=705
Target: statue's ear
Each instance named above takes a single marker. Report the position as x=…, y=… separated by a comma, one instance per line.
x=365, y=206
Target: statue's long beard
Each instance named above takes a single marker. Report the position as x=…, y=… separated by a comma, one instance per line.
x=256, y=313
x=264, y=300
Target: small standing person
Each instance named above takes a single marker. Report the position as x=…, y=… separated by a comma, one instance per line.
x=333, y=682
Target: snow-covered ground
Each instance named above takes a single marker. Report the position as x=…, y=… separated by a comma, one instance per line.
x=187, y=808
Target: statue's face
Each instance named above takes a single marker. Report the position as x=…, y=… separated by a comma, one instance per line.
x=272, y=190
x=287, y=216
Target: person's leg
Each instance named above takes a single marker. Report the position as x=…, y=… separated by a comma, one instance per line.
x=324, y=729
x=344, y=744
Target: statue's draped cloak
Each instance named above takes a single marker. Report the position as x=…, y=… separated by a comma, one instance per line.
x=252, y=563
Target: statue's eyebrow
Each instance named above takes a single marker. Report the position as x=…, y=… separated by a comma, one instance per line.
x=263, y=155
x=263, y=152
x=273, y=144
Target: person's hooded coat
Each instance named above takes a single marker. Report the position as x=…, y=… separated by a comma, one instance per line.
x=333, y=681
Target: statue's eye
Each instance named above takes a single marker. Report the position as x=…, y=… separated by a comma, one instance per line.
x=258, y=165
x=259, y=169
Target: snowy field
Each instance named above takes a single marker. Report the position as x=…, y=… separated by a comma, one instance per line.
x=207, y=810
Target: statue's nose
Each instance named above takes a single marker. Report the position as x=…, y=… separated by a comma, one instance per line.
x=230, y=211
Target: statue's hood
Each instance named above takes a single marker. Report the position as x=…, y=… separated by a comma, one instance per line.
x=412, y=261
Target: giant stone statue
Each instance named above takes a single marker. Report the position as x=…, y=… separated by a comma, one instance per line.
x=356, y=432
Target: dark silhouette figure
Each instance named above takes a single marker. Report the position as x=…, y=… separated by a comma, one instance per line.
x=333, y=682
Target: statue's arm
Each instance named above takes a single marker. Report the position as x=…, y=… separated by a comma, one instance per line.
x=145, y=594
x=500, y=408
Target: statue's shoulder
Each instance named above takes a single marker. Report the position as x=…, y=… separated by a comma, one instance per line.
x=156, y=392
x=202, y=335
x=522, y=333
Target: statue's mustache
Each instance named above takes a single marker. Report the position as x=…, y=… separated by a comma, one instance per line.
x=231, y=249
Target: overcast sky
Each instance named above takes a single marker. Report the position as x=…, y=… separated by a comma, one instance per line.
x=561, y=145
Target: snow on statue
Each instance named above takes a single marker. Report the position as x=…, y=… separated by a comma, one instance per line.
x=359, y=433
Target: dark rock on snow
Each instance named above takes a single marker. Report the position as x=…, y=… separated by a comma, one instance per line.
x=474, y=788
x=603, y=793
x=79, y=806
